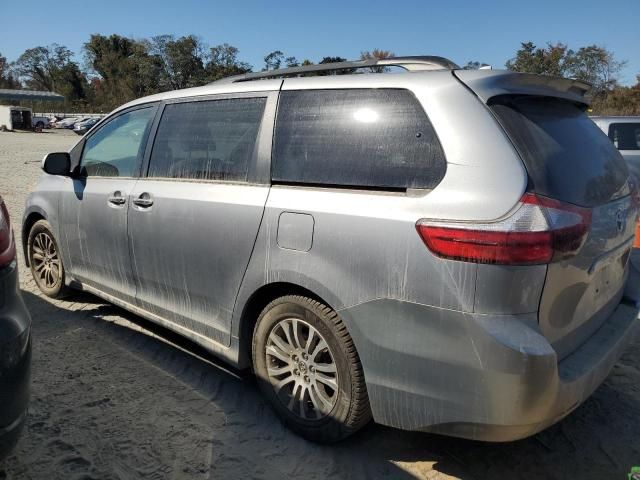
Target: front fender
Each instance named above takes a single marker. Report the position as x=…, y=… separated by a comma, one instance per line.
x=42, y=202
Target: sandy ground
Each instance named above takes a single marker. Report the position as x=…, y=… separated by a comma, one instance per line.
x=117, y=397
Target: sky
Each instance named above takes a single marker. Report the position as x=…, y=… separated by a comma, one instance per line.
x=462, y=30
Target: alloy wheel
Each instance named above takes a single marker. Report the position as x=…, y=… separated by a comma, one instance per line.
x=301, y=369
x=46, y=261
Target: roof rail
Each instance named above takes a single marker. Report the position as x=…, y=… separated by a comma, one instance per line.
x=408, y=63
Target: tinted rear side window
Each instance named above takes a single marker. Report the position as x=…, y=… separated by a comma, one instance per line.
x=566, y=155
x=207, y=140
x=356, y=138
x=625, y=136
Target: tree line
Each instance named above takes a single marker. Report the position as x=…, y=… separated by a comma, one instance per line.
x=593, y=64
x=116, y=69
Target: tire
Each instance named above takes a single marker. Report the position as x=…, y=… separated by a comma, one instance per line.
x=322, y=394
x=45, y=261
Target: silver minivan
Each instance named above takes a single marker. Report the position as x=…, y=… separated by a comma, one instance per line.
x=439, y=249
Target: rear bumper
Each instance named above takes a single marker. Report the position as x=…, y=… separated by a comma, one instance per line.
x=573, y=380
x=484, y=377
x=15, y=359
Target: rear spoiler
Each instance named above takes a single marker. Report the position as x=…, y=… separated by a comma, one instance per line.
x=487, y=84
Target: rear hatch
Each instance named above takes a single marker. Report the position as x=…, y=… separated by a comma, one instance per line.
x=568, y=158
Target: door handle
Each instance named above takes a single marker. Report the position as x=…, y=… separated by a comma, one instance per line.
x=117, y=199
x=143, y=201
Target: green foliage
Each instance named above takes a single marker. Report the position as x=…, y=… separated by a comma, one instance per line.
x=377, y=54
x=126, y=68
x=223, y=62
x=182, y=61
x=593, y=64
x=276, y=60
x=332, y=60
x=129, y=68
x=551, y=60
x=118, y=69
x=335, y=60
x=619, y=101
x=72, y=83
x=473, y=65
x=7, y=79
x=52, y=69
x=273, y=60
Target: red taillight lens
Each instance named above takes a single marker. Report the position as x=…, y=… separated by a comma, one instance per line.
x=540, y=230
x=7, y=245
x=511, y=248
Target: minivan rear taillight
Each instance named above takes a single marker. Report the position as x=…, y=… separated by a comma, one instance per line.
x=7, y=245
x=540, y=230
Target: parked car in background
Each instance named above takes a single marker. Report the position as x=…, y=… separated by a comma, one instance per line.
x=15, y=340
x=67, y=122
x=438, y=250
x=624, y=132
x=53, y=120
x=83, y=126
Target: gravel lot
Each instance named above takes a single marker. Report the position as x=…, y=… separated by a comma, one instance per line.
x=117, y=397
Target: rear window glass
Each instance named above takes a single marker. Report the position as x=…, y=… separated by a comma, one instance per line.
x=374, y=138
x=566, y=155
x=625, y=136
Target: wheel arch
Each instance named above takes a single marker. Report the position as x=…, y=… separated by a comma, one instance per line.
x=256, y=302
x=30, y=220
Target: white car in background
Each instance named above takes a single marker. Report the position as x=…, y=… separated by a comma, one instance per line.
x=624, y=132
x=85, y=125
x=67, y=122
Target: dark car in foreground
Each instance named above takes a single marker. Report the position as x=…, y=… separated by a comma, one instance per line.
x=15, y=342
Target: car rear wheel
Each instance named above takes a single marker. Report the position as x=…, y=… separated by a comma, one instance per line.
x=45, y=261
x=308, y=368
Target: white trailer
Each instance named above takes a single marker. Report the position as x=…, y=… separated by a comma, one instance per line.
x=15, y=118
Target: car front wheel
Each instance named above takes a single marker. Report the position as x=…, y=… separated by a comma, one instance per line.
x=45, y=261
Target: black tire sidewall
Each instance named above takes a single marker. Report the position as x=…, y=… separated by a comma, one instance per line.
x=329, y=426
x=42, y=226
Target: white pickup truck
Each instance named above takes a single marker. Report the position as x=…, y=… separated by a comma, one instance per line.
x=40, y=122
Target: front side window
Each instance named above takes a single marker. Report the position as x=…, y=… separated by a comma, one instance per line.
x=207, y=140
x=362, y=138
x=115, y=149
x=625, y=136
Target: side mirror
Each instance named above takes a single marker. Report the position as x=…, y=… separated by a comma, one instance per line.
x=58, y=163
